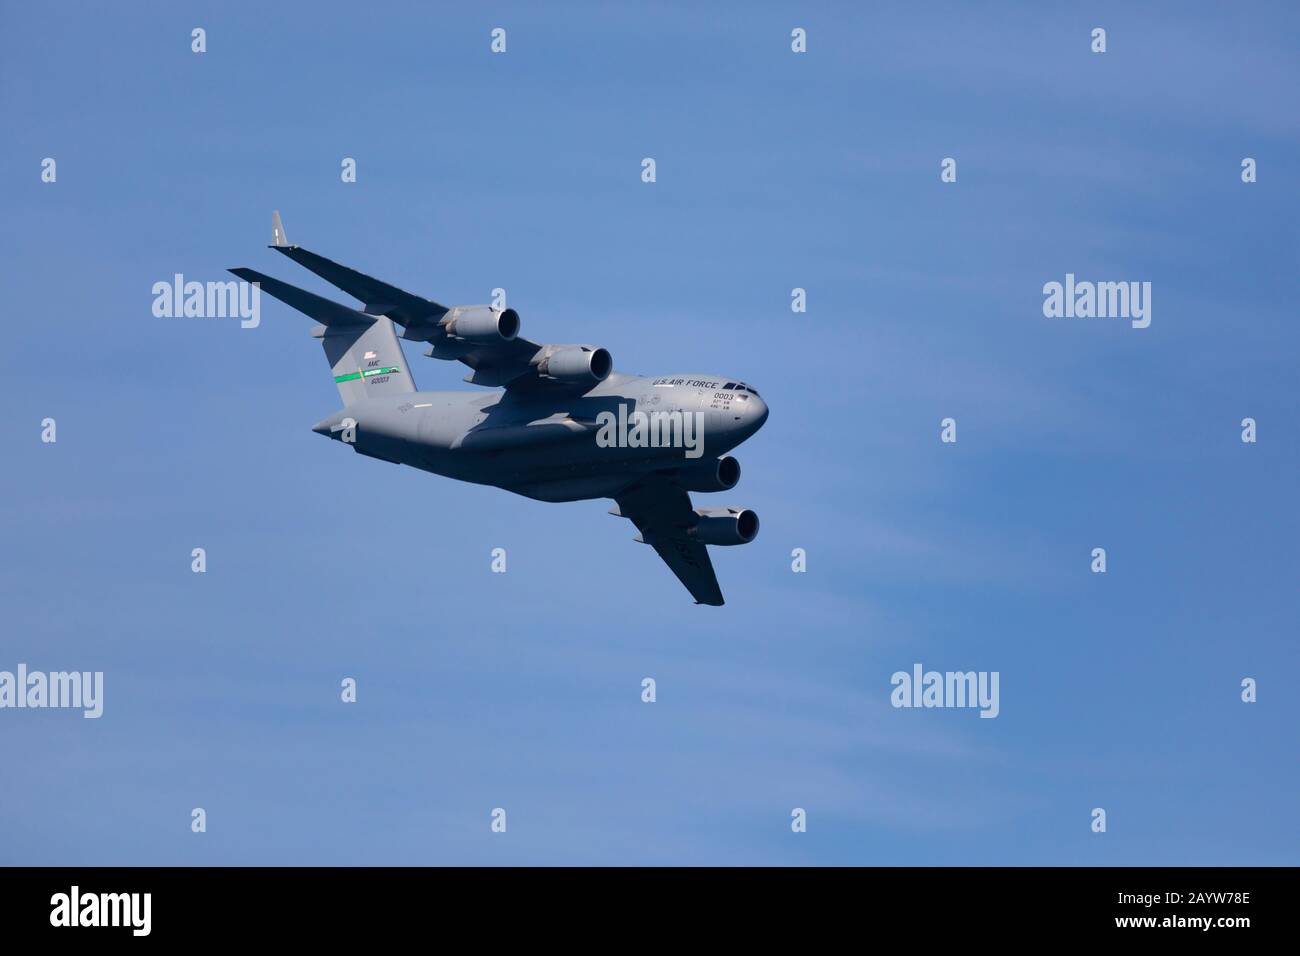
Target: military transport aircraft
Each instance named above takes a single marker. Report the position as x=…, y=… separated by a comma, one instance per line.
x=566, y=426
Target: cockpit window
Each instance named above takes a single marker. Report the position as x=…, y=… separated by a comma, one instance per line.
x=729, y=387
x=748, y=388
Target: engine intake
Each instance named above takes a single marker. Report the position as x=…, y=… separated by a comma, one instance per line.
x=482, y=323
x=721, y=474
x=580, y=365
x=725, y=526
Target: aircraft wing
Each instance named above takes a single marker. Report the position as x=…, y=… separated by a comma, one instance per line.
x=503, y=363
x=495, y=364
x=663, y=514
x=380, y=297
x=402, y=307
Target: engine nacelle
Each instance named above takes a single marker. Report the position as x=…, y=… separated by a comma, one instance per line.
x=577, y=365
x=482, y=323
x=721, y=474
x=725, y=526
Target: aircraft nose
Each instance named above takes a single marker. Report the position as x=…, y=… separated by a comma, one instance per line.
x=754, y=415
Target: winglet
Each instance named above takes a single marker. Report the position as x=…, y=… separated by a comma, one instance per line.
x=278, y=238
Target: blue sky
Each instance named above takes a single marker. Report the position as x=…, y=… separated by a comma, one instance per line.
x=775, y=170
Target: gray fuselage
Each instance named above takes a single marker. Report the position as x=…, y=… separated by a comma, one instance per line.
x=557, y=446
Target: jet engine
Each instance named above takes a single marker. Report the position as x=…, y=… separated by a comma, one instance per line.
x=721, y=474
x=577, y=365
x=482, y=323
x=725, y=526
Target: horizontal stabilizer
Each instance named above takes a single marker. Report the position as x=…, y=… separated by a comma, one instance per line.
x=319, y=308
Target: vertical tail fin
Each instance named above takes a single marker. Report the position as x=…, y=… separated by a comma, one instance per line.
x=366, y=361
